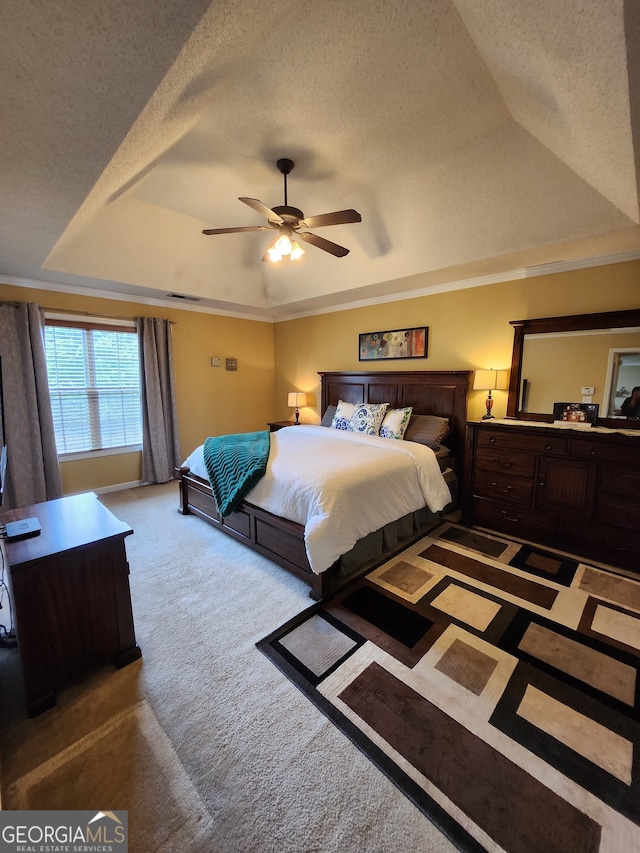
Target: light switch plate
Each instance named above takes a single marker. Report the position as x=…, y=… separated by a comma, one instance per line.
x=215, y=362
x=587, y=390
x=231, y=363
x=587, y=398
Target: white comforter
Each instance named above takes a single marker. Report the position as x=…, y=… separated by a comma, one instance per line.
x=342, y=485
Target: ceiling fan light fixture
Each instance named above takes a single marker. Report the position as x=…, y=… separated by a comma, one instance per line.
x=284, y=247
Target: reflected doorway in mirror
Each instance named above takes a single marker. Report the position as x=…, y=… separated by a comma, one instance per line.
x=623, y=377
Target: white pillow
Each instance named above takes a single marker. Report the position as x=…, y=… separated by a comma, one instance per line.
x=395, y=422
x=343, y=414
x=367, y=418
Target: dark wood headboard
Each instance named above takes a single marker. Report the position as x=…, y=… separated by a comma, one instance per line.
x=429, y=392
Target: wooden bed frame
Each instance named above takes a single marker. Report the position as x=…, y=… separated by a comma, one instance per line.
x=433, y=392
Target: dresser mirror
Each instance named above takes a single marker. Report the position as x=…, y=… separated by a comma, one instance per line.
x=567, y=359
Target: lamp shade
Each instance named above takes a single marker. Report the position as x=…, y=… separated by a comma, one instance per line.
x=297, y=399
x=491, y=380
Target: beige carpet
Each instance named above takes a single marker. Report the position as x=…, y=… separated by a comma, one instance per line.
x=203, y=741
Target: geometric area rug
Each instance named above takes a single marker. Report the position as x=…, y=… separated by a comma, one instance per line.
x=496, y=684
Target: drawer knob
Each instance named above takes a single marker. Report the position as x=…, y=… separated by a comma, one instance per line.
x=592, y=451
x=492, y=440
x=548, y=446
x=541, y=482
x=506, y=491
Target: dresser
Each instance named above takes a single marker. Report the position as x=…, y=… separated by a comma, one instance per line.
x=71, y=598
x=577, y=490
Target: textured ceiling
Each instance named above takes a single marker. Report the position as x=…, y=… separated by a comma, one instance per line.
x=475, y=137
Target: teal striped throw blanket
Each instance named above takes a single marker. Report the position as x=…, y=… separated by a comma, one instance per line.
x=234, y=465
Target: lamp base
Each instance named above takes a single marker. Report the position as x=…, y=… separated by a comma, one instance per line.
x=297, y=423
x=489, y=405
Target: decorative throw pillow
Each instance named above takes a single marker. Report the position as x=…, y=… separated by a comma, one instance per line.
x=342, y=416
x=395, y=422
x=367, y=418
x=427, y=429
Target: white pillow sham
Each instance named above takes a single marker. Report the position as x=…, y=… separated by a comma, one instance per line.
x=342, y=416
x=395, y=423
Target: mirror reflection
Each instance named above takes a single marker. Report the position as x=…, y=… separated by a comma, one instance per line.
x=623, y=391
x=603, y=364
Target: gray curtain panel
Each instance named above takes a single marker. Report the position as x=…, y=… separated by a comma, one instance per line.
x=32, y=467
x=160, y=443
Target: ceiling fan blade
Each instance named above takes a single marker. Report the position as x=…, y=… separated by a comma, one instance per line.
x=262, y=209
x=340, y=217
x=321, y=243
x=236, y=230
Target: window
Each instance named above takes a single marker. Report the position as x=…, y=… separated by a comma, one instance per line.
x=94, y=383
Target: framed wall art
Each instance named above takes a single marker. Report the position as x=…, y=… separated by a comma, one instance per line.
x=398, y=343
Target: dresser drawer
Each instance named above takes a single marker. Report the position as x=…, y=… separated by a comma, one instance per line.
x=555, y=444
x=619, y=510
x=620, y=480
x=503, y=487
x=518, y=521
x=516, y=463
x=603, y=451
x=603, y=542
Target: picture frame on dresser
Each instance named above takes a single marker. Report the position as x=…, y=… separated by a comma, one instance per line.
x=584, y=414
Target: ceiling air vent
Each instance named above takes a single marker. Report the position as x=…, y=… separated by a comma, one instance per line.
x=182, y=296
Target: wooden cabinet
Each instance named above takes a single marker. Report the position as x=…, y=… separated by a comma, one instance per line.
x=71, y=598
x=570, y=489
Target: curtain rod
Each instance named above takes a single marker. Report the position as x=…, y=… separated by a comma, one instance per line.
x=91, y=314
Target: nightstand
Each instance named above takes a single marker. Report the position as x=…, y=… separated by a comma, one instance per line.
x=274, y=426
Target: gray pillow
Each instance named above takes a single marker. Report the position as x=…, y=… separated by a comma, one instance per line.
x=327, y=418
x=427, y=429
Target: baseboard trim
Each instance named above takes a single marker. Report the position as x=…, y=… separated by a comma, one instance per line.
x=118, y=487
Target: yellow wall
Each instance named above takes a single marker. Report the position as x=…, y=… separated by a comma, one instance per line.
x=468, y=329
x=211, y=400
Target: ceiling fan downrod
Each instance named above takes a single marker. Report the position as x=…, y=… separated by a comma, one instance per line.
x=285, y=166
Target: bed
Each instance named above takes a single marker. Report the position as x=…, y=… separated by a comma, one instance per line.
x=439, y=393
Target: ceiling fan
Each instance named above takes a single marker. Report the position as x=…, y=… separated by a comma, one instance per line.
x=288, y=222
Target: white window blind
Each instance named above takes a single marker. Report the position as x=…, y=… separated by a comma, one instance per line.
x=94, y=384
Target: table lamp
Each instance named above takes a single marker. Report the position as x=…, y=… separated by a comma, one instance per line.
x=297, y=399
x=490, y=380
